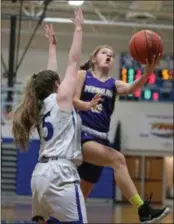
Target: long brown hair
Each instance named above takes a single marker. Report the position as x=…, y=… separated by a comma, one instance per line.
x=27, y=114
x=89, y=64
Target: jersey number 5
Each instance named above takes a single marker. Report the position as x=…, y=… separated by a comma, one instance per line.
x=47, y=125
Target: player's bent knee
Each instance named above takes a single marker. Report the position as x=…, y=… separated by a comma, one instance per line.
x=118, y=160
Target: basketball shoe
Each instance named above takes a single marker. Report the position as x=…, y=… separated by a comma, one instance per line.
x=147, y=214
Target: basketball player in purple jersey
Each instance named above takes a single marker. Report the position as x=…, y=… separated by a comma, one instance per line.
x=96, y=85
x=94, y=99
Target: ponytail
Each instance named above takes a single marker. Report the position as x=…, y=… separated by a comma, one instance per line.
x=26, y=115
x=86, y=66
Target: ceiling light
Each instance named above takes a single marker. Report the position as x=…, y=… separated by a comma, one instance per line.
x=75, y=3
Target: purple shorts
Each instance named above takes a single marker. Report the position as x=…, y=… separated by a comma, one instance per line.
x=87, y=171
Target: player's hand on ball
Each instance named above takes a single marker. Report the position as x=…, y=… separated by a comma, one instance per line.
x=49, y=34
x=149, y=68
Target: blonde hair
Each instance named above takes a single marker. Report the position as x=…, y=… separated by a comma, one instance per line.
x=89, y=64
x=27, y=114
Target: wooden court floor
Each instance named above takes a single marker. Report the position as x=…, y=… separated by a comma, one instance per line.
x=99, y=211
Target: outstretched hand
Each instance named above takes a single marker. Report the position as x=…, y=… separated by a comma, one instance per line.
x=78, y=17
x=49, y=34
x=149, y=68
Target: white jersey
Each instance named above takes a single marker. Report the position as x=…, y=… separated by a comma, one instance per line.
x=55, y=184
x=59, y=132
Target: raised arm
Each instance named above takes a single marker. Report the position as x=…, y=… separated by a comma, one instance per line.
x=125, y=88
x=67, y=87
x=79, y=104
x=52, y=57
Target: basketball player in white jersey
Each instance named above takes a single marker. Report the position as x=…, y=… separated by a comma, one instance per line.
x=47, y=105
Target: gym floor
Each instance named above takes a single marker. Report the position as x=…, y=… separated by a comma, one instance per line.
x=18, y=208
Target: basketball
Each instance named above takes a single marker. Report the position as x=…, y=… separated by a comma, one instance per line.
x=144, y=45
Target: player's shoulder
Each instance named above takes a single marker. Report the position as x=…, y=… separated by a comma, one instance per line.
x=119, y=82
x=82, y=73
x=112, y=81
x=49, y=103
x=50, y=98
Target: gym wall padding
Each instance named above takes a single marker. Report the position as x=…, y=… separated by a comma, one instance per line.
x=26, y=162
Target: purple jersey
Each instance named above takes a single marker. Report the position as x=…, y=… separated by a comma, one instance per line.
x=98, y=118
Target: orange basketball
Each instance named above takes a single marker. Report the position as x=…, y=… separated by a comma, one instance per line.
x=144, y=45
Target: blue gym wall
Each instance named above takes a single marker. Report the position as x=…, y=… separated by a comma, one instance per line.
x=27, y=161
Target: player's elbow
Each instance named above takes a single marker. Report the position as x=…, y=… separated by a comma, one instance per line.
x=124, y=90
x=130, y=90
x=74, y=58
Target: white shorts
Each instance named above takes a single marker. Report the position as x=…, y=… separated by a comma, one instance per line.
x=56, y=192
